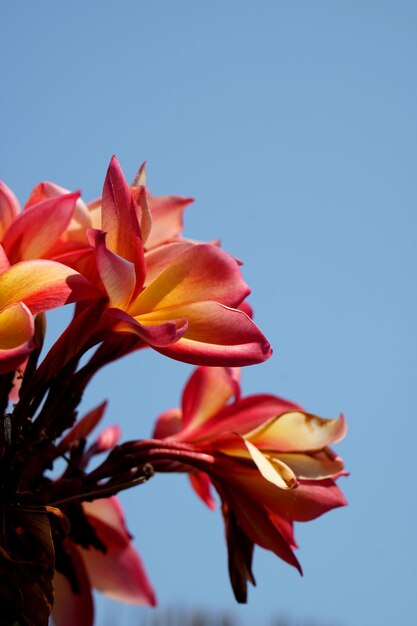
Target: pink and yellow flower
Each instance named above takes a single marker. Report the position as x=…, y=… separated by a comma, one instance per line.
x=269, y=461
x=181, y=298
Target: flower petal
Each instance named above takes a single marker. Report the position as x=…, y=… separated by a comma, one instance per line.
x=118, y=274
x=120, y=221
x=216, y=335
x=43, y=285
x=259, y=526
x=202, y=486
x=203, y=272
x=277, y=472
x=167, y=424
x=167, y=218
x=242, y=416
x=72, y=608
x=160, y=333
x=298, y=432
x=315, y=466
x=159, y=259
x=16, y=326
x=119, y=573
x=27, y=239
x=4, y=261
x=9, y=207
x=206, y=392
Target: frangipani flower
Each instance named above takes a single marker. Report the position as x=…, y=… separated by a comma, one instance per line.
x=181, y=299
x=269, y=461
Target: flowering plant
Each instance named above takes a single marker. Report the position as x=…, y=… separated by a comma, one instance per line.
x=135, y=283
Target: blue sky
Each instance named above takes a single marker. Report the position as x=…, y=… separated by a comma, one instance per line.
x=294, y=126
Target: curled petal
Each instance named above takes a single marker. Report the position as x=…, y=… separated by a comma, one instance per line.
x=274, y=470
x=216, y=335
x=158, y=333
x=315, y=466
x=298, y=432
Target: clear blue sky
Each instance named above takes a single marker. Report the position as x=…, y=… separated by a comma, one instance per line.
x=294, y=125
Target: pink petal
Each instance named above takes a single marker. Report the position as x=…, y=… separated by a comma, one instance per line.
x=159, y=259
x=36, y=230
x=216, y=335
x=9, y=208
x=160, y=333
x=167, y=424
x=202, y=272
x=43, y=285
x=167, y=218
x=46, y=190
x=202, y=486
x=309, y=500
x=107, y=439
x=118, y=274
x=259, y=525
x=245, y=415
x=4, y=261
x=73, y=608
x=206, y=392
x=120, y=221
x=119, y=573
x=13, y=358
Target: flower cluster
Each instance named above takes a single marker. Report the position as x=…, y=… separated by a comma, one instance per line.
x=135, y=282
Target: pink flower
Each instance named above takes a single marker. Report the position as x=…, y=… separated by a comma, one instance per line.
x=269, y=461
x=180, y=298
